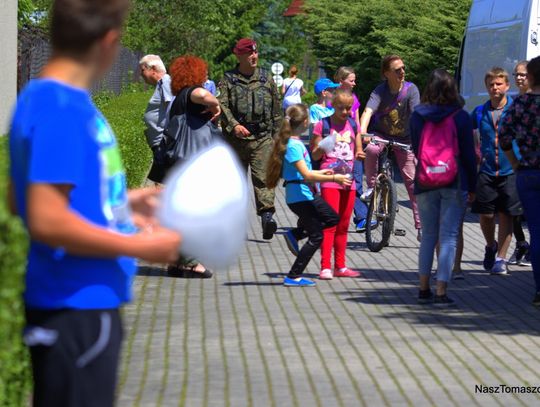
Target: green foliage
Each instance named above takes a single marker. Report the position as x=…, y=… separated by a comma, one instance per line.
x=14, y=368
x=33, y=12
x=206, y=28
x=426, y=34
x=124, y=113
x=280, y=38
x=24, y=11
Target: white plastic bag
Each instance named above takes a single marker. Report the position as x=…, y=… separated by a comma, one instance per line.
x=206, y=200
x=328, y=143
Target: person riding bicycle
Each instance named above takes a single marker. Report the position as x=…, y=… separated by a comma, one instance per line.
x=386, y=115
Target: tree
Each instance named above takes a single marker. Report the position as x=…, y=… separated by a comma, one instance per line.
x=205, y=28
x=426, y=34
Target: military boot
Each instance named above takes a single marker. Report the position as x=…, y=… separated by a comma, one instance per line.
x=269, y=225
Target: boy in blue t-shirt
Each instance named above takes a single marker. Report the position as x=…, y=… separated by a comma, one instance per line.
x=318, y=111
x=68, y=185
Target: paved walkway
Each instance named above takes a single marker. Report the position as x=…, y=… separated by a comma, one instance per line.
x=242, y=339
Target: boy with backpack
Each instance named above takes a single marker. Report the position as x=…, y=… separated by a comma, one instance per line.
x=442, y=141
x=323, y=89
x=496, y=191
x=68, y=185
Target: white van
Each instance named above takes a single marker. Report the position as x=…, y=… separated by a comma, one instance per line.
x=499, y=33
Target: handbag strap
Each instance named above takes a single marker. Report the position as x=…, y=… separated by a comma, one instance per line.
x=400, y=96
x=288, y=87
x=184, y=100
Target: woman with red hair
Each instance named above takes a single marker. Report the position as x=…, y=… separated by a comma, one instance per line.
x=188, y=74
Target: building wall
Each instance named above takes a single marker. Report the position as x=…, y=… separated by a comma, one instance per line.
x=8, y=67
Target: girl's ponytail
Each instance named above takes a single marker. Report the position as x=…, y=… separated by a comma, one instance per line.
x=294, y=116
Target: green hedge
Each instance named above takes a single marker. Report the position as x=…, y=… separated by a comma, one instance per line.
x=14, y=365
x=124, y=113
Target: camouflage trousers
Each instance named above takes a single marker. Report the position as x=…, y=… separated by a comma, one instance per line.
x=254, y=154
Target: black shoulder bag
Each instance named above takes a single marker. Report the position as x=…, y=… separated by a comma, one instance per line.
x=186, y=134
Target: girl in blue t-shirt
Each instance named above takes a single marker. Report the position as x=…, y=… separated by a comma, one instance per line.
x=290, y=160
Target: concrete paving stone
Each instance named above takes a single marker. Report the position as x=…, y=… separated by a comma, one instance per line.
x=241, y=339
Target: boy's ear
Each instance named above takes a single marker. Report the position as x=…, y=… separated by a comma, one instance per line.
x=111, y=38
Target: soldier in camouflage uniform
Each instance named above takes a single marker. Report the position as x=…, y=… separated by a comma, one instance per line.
x=251, y=115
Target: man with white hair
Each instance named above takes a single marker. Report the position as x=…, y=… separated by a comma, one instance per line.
x=154, y=73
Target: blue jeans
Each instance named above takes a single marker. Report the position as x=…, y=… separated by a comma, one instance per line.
x=528, y=186
x=360, y=208
x=441, y=213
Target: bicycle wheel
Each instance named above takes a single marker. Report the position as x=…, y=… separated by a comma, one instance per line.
x=381, y=214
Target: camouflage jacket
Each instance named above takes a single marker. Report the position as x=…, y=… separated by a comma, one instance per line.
x=252, y=102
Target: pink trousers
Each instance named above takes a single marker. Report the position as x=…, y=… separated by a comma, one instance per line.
x=342, y=201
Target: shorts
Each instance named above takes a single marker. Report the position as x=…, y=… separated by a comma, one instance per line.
x=496, y=194
x=74, y=356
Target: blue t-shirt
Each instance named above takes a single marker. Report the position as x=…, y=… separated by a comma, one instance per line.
x=296, y=192
x=318, y=112
x=59, y=137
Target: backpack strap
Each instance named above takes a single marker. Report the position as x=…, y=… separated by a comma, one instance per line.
x=352, y=122
x=479, y=112
x=233, y=80
x=325, y=126
x=263, y=75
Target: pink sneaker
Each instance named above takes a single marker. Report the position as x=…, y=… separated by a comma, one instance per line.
x=325, y=274
x=346, y=272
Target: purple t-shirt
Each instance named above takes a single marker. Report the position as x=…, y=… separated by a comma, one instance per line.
x=355, y=106
x=395, y=122
x=344, y=149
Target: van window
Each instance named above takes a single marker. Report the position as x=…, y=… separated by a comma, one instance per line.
x=485, y=12
x=485, y=48
x=480, y=13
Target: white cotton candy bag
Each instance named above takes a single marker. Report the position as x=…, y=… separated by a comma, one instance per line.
x=206, y=200
x=328, y=143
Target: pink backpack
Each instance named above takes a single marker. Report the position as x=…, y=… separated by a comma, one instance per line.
x=437, y=153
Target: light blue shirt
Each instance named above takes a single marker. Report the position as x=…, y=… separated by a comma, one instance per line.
x=155, y=115
x=318, y=112
x=210, y=86
x=296, y=192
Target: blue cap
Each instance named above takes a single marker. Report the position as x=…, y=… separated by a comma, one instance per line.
x=323, y=84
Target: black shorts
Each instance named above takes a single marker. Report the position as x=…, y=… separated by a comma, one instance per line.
x=497, y=194
x=74, y=356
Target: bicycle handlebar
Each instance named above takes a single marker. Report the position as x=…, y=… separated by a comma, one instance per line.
x=390, y=143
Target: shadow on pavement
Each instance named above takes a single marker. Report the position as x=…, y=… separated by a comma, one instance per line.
x=484, y=303
x=250, y=283
x=258, y=241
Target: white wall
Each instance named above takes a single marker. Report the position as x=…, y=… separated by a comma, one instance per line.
x=8, y=67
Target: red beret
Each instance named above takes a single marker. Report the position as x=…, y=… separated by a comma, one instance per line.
x=244, y=46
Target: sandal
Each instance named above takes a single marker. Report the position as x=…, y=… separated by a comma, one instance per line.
x=175, y=270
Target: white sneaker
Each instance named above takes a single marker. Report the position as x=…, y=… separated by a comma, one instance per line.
x=367, y=194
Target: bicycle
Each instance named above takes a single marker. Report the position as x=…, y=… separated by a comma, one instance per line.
x=383, y=200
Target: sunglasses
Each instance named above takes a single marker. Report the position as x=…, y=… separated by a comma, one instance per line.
x=398, y=70
x=519, y=75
